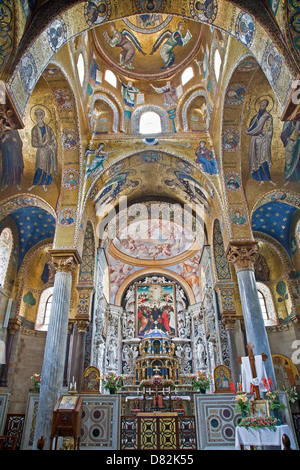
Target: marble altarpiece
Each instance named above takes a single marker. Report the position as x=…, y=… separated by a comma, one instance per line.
x=200, y=342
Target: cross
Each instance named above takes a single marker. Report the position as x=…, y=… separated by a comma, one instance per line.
x=253, y=368
x=156, y=369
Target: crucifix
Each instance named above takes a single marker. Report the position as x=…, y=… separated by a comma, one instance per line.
x=253, y=368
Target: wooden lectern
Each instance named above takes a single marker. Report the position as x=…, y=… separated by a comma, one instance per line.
x=66, y=420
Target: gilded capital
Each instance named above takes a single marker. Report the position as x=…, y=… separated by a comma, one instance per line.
x=13, y=325
x=82, y=322
x=228, y=321
x=64, y=260
x=242, y=254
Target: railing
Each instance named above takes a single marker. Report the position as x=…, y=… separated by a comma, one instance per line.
x=158, y=431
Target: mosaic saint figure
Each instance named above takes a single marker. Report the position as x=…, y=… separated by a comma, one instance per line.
x=261, y=132
x=44, y=140
x=12, y=156
x=171, y=40
x=206, y=159
x=128, y=92
x=169, y=93
x=290, y=137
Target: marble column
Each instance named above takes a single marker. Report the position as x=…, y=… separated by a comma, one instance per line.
x=56, y=341
x=229, y=322
x=243, y=255
x=70, y=329
x=13, y=326
x=82, y=323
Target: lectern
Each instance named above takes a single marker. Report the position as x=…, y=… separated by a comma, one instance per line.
x=66, y=420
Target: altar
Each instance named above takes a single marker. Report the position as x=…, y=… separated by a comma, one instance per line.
x=245, y=438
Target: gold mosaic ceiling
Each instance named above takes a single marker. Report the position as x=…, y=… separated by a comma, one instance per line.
x=149, y=34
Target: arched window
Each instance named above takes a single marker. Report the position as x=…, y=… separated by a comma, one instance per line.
x=187, y=75
x=266, y=304
x=150, y=123
x=6, y=244
x=44, y=310
x=110, y=78
x=80, y=68
x=217, y=63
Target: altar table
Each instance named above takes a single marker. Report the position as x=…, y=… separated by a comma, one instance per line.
x=261, y=437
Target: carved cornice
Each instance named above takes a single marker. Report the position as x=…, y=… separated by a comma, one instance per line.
x=242, y=254
x=65, y=260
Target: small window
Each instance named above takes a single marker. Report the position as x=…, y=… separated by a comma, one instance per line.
x=80, y=68
x=110, y=78
x=6, y=243
x=47, y=311
x=150, y=123
x=44, y=310
x=263, y=306
x=217, y=63
x=187, y=75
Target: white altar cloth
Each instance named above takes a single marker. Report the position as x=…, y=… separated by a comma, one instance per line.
x=262, y=437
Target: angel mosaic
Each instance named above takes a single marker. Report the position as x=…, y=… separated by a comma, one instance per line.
x=96, y=165
x=167, y=41
x=126, y=41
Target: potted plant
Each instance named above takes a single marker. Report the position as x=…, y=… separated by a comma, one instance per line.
x=36, y=378
x=112, y=382
x=200, y=382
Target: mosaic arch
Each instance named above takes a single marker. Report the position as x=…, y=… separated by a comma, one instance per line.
x=257, y=37
x=273, y=216
x=15, y=203
x=166, y=173
x=248, y=89
x=60, y=85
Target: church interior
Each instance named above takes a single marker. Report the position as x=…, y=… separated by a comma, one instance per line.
x=171, y=259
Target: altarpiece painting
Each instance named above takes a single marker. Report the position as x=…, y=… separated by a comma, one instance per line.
x=155, y=306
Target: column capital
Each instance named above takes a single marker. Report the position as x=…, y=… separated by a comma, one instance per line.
x=65, y=260
x=13, y=325
x=242, y=254
x=82, y=322
x=228, y=321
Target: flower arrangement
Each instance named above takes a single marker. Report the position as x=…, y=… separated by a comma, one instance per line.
x=242, y=402
x=257, y=422
x=272, y=396
x=162, y=382
x=200, y=381
x=112, y=382
x=293, y=395
x=36, y=382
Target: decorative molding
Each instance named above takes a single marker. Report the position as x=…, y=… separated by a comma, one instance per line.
x=65, y=260
x=242, y=254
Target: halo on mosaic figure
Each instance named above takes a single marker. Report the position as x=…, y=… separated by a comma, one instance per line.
x=264, y=97
x=48, y=114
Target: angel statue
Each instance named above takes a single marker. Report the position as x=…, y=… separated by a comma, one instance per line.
x=171, y=40
x=126, y=41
